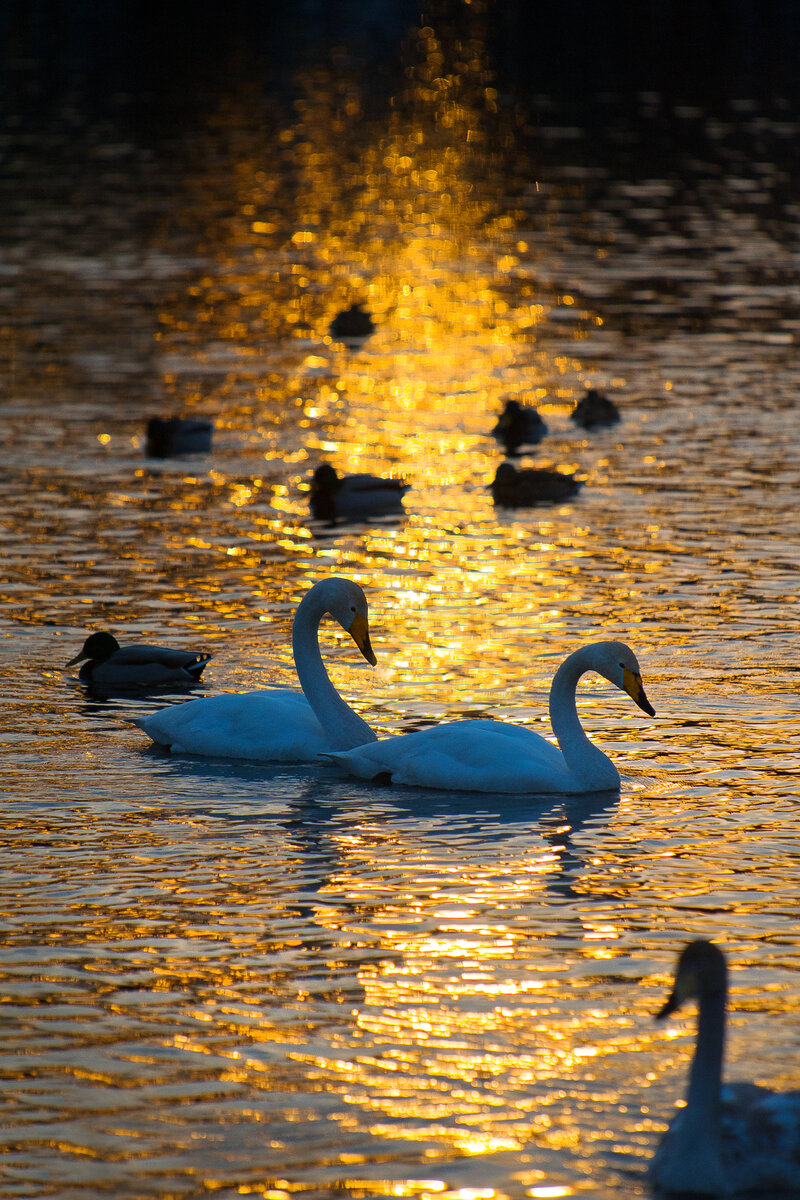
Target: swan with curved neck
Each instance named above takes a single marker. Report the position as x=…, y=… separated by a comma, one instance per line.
x=726, y=1139
x=491, y=756
x=278, y=724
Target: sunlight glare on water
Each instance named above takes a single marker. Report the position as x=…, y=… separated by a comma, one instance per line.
x=241, y=979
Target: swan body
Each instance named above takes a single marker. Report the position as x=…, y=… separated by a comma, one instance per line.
x=727, y=1139
x=521, y=489
x=491, y=756
x=519, y=425
x=595, y=410
x=279, y=724
x=352, y=322
x=107, y=664
x=167, y=436
x=353, y=496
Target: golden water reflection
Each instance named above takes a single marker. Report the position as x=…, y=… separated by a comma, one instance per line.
x=277, y=985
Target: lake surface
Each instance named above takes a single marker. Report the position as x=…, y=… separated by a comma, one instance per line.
x=235, y=979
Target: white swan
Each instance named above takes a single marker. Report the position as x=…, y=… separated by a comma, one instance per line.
x=489, y=756
x=278, y=724
x=728, y=1139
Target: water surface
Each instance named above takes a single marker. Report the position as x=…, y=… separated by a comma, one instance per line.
x=234, y=979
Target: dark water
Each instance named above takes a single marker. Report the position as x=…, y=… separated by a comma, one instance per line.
x=223, y=978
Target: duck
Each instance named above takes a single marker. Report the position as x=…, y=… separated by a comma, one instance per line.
x=168, y=436
x=595, y=410
x=519, y=425
x=521, y=489
x=491, y=756
x=279, y=724
x=352, y=322
x=107, y=664
x=736, y=1138
x=353, y=496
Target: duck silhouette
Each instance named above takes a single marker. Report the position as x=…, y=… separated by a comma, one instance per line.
x=595, y=410
x=352, y=322
x=521, y=489
x=355, y=496
x=519, y=425
x=168, y=436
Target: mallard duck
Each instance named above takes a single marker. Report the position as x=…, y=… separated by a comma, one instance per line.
x=732, y=1138
x=595, y=410
x=518, y=426
x=353, y=496
x=168, y=436
x=521, y=489
x=279, y=724
x=491, y=756
x=352, y=322
x=107, y=664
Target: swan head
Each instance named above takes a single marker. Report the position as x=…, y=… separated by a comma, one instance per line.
x=98, y=647
x=347, y=604
x=701, y=971
x=617, y=663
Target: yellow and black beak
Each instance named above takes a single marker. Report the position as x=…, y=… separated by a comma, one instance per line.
x=672, y=1002
x=359, y=632
x=685, y=989
x=632, y=682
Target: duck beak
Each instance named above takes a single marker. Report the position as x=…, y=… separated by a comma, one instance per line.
x=78, y=658
x=635, y=689
x=359, y=632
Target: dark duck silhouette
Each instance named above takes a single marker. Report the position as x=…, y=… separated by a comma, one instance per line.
x=352, y=322
x=107, y=664
x=167, y=436
x=595, y=410
x=354, y=496
x=533, y=485
x=519, y=425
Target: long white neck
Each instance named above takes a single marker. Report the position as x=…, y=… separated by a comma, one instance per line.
x=695, y=1153
x=343, y=726
x=584, y=760
x=705, y=1076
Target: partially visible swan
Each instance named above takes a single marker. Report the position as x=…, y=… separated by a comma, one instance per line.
x=735, y=1138
x=519, y=425
x=352, y=322
x=511, y=488
x=595, y=410
x=107, y=664
x=167, y=436
x=490, y=756
x=278, y=724
x=353, y=496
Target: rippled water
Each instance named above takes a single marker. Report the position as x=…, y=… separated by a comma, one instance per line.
x=224, y=978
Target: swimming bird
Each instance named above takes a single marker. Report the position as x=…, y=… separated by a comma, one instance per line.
x=491, y=756
x=519, y=425
x=280, y=724
x=107, y=664
x=352, y=322
x=735, y=1138
x=353, y=496
x=520, y=489
x=167, y=436
x=595, y=410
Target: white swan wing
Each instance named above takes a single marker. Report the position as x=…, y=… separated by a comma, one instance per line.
x=760, y=1137
x=479, y=755
x=273, y=725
